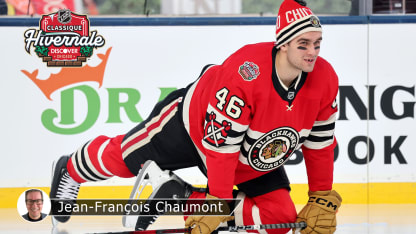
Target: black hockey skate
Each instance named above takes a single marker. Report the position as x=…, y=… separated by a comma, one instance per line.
x=165, y=184
x=64, y=190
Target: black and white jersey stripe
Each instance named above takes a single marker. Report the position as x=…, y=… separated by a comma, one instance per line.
x=322, y=134
x=84, y=167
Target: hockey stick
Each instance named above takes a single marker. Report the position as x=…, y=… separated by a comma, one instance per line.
x=300, y=225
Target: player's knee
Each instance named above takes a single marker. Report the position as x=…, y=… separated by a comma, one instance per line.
x=279, y=216
x=277, y=207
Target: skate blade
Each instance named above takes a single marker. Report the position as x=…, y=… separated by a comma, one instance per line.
x=150, y=174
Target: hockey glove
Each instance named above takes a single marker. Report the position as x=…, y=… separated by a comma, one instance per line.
x=206, y=224
x=320, y=212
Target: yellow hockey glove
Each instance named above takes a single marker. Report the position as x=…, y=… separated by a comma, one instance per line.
x=320, y=212
x=206, y=224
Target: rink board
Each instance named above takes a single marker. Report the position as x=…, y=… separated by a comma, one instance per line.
x=148, y=58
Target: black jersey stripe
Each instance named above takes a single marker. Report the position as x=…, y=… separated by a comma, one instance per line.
x=249, y=140
x=319, y=138
x=243, y=151
x=302, y=139
x=325, y=127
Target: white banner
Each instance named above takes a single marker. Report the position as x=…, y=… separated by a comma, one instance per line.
x=43, y=117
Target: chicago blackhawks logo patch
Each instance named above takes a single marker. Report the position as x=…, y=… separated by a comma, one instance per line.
x=215, y=133
x=315, y=21
x=249, y=71
x=273, y=149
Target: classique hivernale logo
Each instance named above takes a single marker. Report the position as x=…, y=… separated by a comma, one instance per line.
x=63, y=39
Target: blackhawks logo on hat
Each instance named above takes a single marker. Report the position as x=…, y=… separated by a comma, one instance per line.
x=315, y=21
x=63, y=39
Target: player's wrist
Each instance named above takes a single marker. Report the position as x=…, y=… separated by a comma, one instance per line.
x=328, y=200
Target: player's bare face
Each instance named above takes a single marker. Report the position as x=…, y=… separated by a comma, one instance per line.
x=303, y=51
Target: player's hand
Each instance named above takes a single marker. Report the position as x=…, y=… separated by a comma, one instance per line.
x=206, y=224
x=320, y=212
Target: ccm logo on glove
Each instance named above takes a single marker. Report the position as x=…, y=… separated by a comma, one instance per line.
x=323, y=202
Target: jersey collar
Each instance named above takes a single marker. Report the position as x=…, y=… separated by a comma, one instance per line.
x=286, y=93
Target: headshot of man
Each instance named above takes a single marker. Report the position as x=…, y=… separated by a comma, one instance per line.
x=34, y=205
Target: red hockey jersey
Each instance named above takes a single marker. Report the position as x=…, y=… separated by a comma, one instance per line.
x=245, y=122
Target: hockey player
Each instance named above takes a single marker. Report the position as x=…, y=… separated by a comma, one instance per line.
x=239, y=122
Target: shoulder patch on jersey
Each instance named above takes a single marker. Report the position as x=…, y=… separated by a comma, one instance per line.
x=215, y=132
x=273, y=149
x=249, y=71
